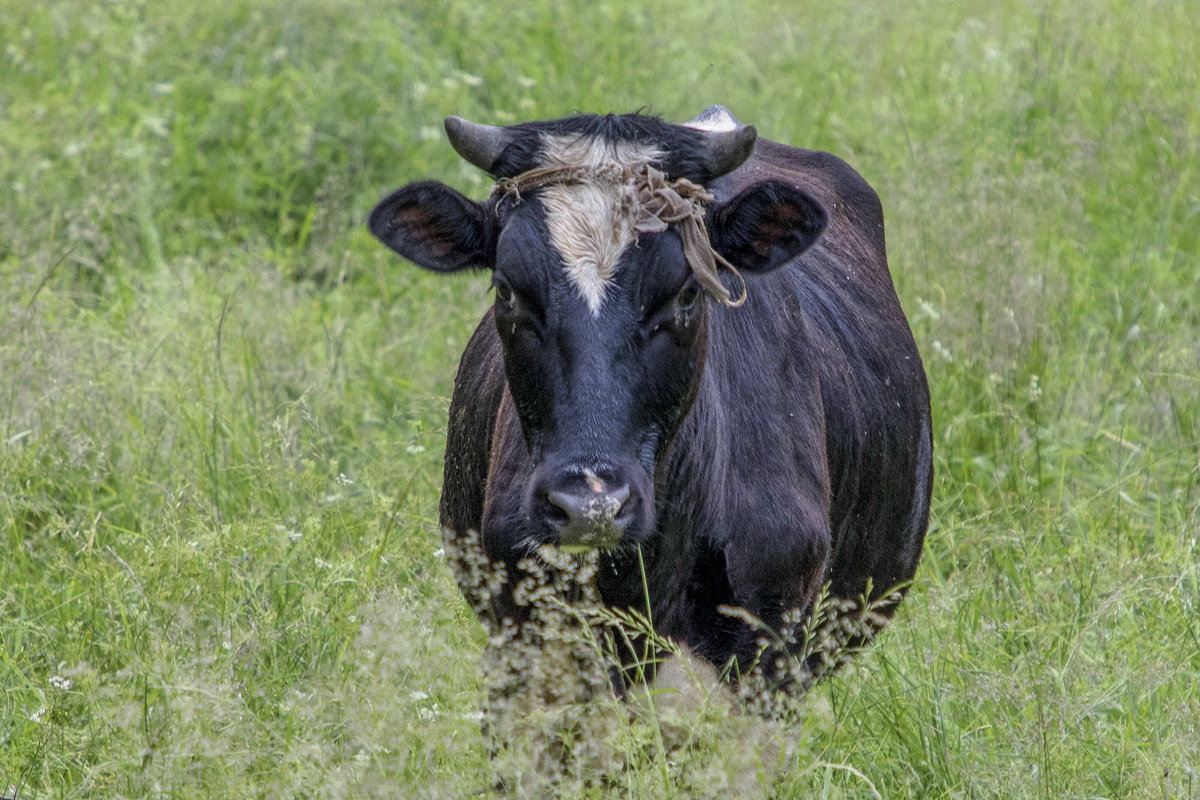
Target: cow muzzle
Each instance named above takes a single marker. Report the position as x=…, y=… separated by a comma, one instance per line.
x=589, y=510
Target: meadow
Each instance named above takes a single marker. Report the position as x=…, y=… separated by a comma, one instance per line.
x=222, y=403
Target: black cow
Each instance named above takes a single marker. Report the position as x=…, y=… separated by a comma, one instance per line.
x=621, y=396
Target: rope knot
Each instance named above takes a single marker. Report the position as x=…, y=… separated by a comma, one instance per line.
x=653, y=203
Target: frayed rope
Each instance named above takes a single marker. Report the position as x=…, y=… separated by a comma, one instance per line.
x=656, y=203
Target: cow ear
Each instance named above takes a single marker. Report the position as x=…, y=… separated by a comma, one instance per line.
x=435, y=227
x=766, y=226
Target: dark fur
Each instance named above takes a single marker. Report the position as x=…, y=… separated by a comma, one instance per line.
x=681, y=144
x=784, y=444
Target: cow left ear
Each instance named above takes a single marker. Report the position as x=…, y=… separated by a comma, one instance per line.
x=766, y=226
x=435, y=227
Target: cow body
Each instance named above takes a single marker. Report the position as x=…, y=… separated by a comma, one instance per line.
x=760, y=452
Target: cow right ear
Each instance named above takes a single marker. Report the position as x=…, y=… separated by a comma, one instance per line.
x=767, y=225
x=435, y=227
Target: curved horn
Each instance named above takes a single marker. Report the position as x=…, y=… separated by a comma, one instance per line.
x=726, y=150
x=479, y=144
x=729, y=141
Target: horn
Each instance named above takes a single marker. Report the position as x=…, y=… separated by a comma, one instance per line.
x=728, y=140
x=479, y=144
x=725, y=151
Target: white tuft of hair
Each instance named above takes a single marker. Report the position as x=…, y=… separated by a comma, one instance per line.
x=591, y=224
x=715, y=119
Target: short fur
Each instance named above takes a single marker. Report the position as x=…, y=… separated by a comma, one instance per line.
x=588, y=223
x=776, y=447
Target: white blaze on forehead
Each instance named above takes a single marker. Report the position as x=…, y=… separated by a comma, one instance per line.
x=591, y=223
x=589, y=234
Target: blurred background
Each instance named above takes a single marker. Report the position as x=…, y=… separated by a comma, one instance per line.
x=222, y=404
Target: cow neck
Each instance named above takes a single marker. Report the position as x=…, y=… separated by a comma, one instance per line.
x=656, y=203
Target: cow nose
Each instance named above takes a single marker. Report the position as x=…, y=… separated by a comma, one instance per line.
x=590, y=508
x=592, y=516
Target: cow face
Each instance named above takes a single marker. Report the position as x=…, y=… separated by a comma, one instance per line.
x=602, y=319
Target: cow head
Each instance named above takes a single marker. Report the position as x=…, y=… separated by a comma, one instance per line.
x=601, y=308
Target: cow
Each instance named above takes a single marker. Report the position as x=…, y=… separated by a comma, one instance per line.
x=695, y=368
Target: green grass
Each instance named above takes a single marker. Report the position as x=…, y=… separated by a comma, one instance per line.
x=222, y=404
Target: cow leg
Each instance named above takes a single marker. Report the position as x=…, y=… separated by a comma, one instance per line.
x=776, y=575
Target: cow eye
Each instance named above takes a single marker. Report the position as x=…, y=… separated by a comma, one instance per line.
x=687, y=297
x=504, y=292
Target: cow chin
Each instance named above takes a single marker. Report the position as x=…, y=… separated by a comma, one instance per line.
x=581, y=508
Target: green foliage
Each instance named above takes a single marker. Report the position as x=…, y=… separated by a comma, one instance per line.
x=222, y=404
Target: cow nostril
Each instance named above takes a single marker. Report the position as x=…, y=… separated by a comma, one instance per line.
x=564, y=508
x=625, y=507
x=555, y=511
x=620, y=497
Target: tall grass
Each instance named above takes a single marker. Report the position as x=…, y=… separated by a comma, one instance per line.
x=222, y=405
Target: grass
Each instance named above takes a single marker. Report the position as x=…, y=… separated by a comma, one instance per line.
x=222, y=405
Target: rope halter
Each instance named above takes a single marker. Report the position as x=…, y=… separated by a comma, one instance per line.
x=654, y=203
